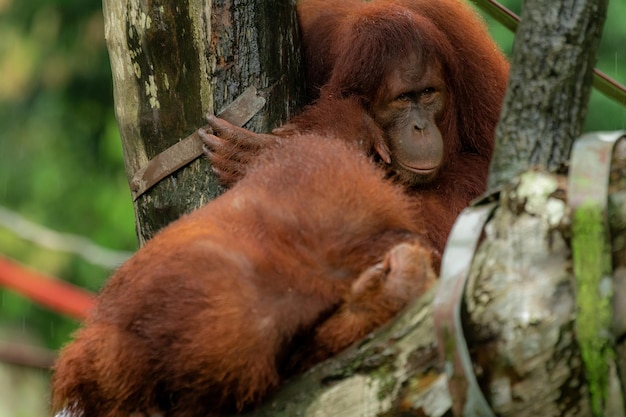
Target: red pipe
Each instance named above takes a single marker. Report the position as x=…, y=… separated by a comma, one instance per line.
x=50, y=292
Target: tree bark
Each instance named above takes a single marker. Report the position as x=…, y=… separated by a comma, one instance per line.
x=549, y=86
x=173, y=62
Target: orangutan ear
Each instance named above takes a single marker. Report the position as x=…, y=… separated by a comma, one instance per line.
x=383, y=150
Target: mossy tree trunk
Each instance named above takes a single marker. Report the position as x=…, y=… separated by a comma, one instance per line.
x=175, y=61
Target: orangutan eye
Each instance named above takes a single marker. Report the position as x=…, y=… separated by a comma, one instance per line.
x=427, y=91
x=408, y=96
x=404, y=97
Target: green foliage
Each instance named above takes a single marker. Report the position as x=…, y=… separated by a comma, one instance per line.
x=604, y=113
x=61, y=157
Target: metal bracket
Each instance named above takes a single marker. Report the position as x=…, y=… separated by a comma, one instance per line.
x=238, y=113
x=590, y=168
x=467, y=398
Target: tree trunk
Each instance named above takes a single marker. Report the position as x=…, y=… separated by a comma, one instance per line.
x=549, y=86
x=173, y=62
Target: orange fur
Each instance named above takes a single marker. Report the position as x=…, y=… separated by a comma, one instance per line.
x=351, y=49
x=283, y=270
x=342, y=53
x=352, y=46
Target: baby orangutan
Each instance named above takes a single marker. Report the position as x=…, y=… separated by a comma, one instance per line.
x=305, y=255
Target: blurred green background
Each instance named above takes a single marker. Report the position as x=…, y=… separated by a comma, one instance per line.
x=61, y=163
x=61, y=166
